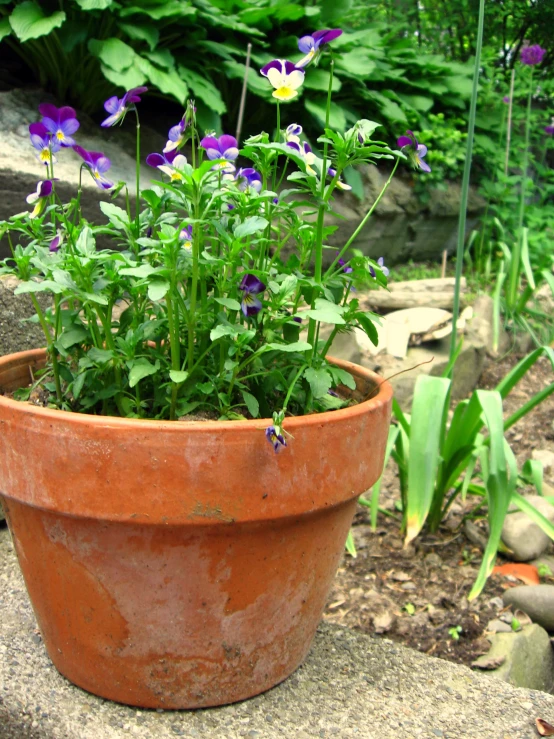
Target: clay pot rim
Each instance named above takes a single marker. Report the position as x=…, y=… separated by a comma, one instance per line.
x=382, y=397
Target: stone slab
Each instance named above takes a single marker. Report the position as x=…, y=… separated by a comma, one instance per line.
x=350, y=686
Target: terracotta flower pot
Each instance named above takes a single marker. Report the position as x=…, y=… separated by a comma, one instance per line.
x=180, y=565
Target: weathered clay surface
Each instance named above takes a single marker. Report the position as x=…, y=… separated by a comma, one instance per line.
x=351, y=686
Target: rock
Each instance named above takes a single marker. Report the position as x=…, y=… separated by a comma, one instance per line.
x=524, y=537
x=479, y=328
x=544, y=561
x=547, y=458
x=497, y=626
x=432, y=293
x=537, y=601
x=526, y=658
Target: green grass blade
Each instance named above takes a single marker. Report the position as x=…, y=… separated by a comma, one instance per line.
x=535, y=515
x=500, y=474
x=525, y=259
x=496, y=310
x=376, y=489
x=532, y=471
x=350, y=546
x=531, y=403
x=427, y=419
x=506, y=385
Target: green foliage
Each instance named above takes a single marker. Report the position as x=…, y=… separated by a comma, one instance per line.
x=440, y=460
x=198, y=48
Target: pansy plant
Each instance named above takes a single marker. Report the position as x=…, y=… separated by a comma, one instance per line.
x=214, y=290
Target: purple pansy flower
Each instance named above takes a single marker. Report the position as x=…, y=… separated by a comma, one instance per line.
x=305, y=151
x=45, y=145
x=276, y=439
x=61, y=123
x=185, y=236
x=549, y=129
x=56, y=242
x=532, y=55
x=346, y=267
x=118, y=107
x=248, y=177
x=168, y=163
x=381, y=263
x=506, y=99
x=251, y=286
x=97, y=164
x=293, y=132
x=414, y=151
x=43, y=191
x=224, y=147
x=284, y=77
x=312, y=45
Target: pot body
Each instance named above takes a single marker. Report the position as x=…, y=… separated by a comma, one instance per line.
x=181, y=565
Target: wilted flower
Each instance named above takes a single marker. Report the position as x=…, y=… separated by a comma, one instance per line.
x=312, y=45
x=185, y=236
x=381, y=263
x=340, y=184
x=251, y=286
x=346, y=267
x=168, y=163
x=118, y=108
x=249, y=177
x=414, y=151
x=60, y=122
x=43, y=142
x=56, y=242
x=97, y=164
x=276, y=439
x=284, y=77
x=305, y=151
x=224, y=147
x=176, y=136
x=43, y=191
x=532, y=55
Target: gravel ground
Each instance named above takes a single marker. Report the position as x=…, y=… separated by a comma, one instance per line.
x=351, y=685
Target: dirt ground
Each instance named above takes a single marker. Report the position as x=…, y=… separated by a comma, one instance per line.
x=418, y=595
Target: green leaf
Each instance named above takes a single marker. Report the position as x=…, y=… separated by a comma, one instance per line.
x=325, y=316
x=343, y=377
x=94, y=4
x=142, y=32
x=38, y=287
x=116, y=215
x=5, y=28
x=28, y=21
x=350, y=546
x=429, y=408
x=157, y=289
x=132, y=77
x=204, y=90
x=167, y=81
x=223, y=330
x=178, y=376
x=317, y=108
x=100, y=356
x=230, y=303
x=73, y=336
x=112, y=52
x=250, y=226
x=297, y=346
x=318, y=79
x=355, y=180
x=141, y=368
x=145, y=270
x=356, y=63
x=320, y=381
x=155, y=11
x=256, y=83
x=251, y=403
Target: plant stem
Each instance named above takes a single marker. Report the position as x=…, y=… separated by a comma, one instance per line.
x=50, y=346
x=465, y=180
x=137, y=202
x=363, y=222
x=509, y=128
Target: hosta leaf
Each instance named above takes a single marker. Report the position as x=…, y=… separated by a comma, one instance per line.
x=132, y=77
x=142, y=32
x=204, y=89
x=112, y=52
x=94, y=4
x=317, y=108
x=5, y=28
x=167, y=81
x=28, y=21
